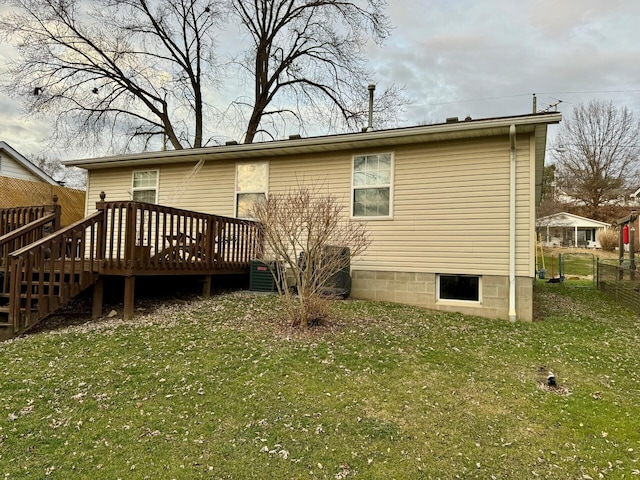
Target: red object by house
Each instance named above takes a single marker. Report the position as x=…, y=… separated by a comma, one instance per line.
x=625, y=234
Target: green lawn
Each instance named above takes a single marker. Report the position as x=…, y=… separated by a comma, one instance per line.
x=218, y=389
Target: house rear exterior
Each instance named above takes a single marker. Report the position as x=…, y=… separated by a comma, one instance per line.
x=450, y=207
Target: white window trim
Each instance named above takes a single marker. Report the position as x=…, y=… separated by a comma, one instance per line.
x=235, y=184
x=451, y=301
x=391, y=183
x=134, y=189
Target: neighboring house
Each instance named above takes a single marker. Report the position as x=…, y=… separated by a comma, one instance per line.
x=634, y=198
x=24, y=184
x=14, y=165
x=450, y=207
x=567, y=230
x=625, y=198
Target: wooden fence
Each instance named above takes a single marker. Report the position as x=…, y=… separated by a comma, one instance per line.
x=17, y=192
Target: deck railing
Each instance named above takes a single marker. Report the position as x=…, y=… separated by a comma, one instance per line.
x=148, y=239
x=121, y=238
x=48, y=272
x=15, y=217
x=20, y=237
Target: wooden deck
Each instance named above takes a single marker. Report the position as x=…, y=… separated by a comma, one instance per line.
x=43, y=267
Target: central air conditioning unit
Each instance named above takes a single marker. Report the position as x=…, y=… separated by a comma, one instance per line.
x=260, y=276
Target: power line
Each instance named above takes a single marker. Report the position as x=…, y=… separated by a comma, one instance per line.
x=588, y=91
x=525, y=95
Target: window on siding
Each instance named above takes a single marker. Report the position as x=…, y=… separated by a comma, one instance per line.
x=464, y=288
x=145, y=186
x=372, y=176
x=251, y=186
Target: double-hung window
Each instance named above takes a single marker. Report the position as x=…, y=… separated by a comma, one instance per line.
x=371, y=189
x=251, y=186
x=145, y=186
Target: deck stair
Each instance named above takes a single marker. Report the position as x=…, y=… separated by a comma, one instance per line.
x=43, y=267
x=20, y=226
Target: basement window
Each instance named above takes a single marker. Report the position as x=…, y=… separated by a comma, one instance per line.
x=463, y=288
x=145, y=186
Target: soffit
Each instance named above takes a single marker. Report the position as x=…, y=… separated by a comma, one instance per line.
x=313, y=145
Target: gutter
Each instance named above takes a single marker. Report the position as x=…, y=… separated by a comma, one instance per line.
x=391, y=137
x=512, y=224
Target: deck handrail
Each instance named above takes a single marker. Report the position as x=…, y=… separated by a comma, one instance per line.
x=19, y=238
x=146, y=239
x=50, y=271
x=12, y=218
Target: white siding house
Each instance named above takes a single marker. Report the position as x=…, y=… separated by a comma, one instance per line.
x=568, y=230
x=14, y=165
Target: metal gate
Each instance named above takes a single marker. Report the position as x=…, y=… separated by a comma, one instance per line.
x=578, y=269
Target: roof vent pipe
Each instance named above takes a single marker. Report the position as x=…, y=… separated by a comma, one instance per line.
x=372, y=87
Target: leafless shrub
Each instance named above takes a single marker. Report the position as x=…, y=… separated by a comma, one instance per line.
x=609, y=240
x=305, y=235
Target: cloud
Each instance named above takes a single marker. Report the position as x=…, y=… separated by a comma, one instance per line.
x=484, y=59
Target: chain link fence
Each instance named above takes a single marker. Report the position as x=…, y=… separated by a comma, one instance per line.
x=18, y=193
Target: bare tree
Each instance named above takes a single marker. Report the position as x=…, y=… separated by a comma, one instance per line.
x=132, y=68
x=72, y=177
x=141, y=71
x=307, y=58
x=597, y=152
x=305, y=233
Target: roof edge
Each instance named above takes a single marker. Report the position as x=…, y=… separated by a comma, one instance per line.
x=32, y=167
x=337, y=141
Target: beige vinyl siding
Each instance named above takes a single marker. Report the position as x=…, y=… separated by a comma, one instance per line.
x=327, y=173
x=10, y=168
x=450, y=204
x=451, y=210
x=210, y=190
x=115, y=183
x=450, y=201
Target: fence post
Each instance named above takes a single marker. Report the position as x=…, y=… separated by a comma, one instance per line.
x=56, y=209
x=632, y=253
x=101, y=243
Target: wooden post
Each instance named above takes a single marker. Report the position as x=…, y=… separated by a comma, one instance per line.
x=57, y=210
x=98, y=298
x=129, y=290
x=620, y=246
x=632, y=253
x=209, y=246
x=206, y=287
x=130, y=236
x=630, y=221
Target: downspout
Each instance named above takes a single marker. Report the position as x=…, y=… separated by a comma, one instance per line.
x=512, y=225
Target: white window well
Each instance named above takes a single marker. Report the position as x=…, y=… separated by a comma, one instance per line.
x=251, y=186
x=145, y=186
x=371, y=187
x=459, y=288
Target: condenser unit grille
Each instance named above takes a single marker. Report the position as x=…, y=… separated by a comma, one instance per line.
x=260, y=277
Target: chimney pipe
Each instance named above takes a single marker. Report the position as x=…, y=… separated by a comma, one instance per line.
x=372, y=87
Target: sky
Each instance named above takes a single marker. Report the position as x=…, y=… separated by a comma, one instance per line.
x=467, y=57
